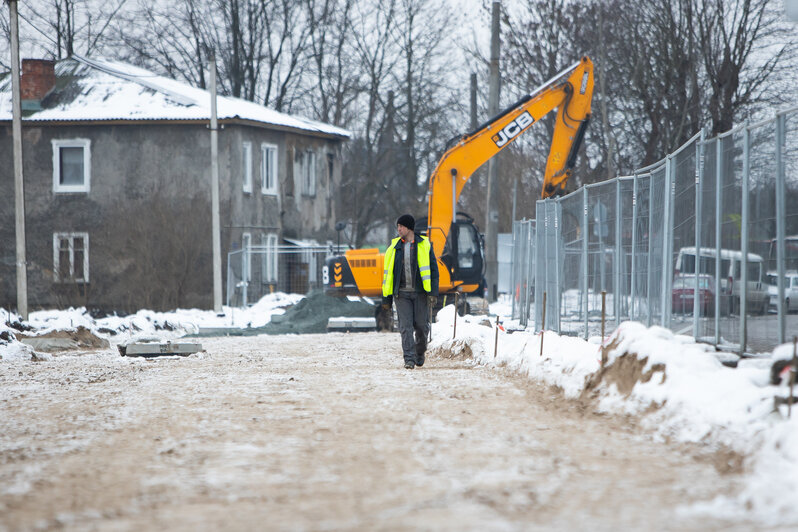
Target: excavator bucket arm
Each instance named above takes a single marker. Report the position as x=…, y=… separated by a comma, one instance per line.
x=569, y=92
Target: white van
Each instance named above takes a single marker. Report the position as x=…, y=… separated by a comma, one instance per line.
x=790, y=290
x=757, y=298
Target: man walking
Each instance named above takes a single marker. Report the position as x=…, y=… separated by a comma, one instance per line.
x=410, y=278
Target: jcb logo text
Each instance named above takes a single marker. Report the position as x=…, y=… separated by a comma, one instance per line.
x=512, y=129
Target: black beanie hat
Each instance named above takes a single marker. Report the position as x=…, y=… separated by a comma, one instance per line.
x=406, y=220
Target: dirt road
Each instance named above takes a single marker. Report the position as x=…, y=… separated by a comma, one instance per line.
x=327, y=432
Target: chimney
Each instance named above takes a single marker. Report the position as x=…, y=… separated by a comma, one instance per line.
x=37, y=80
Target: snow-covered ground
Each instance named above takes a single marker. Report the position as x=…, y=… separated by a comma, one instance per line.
x=678, y=389
x=689, y=396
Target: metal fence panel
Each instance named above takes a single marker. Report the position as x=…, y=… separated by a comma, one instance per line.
x=571, y=290
x=683, y=230
x=625, y=225
x=523, y=270
x=656, y=242
x=260, y=270
x=602, y=206
x=703, y=241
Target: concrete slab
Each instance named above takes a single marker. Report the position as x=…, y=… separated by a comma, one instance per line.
x=157, y=349
x=347, y=324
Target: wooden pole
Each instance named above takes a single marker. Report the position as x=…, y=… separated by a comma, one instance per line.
x=456, y=300
x=603, y=313
x=496, y=339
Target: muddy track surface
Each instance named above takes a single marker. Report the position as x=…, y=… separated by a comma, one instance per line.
x=328, y=432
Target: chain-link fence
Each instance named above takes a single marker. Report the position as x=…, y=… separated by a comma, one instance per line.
x=704, y=242
x=256, y=271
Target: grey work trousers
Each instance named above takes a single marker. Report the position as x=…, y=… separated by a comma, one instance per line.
x=412, y=311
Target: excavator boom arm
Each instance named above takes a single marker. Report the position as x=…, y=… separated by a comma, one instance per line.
x=569, y=92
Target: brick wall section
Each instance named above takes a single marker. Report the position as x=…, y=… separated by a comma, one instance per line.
x=38, y=78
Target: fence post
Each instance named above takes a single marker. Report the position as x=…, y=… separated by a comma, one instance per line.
x=543, y=324
x=618, y=252
x=718, y=231
x=667, y=235
x=699, y=205
x=516, y=265
x=531, y=276
x=558, y=259
x=744, y=243
x=540, y=256
x=527, y=275
x=781, y=216
x=649, y=271
x=633, y=287
x=585, y=238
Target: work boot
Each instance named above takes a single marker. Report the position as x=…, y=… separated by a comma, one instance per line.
x=420, y=359
x=409, y=365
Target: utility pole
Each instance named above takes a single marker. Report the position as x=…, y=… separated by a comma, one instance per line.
x=19, y=190
x=217, y=247
x=473, y=101
x=492, y=213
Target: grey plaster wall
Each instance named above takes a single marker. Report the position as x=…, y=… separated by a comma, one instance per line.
x=148, y=210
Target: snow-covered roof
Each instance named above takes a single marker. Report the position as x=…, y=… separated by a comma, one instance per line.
x=101, y=89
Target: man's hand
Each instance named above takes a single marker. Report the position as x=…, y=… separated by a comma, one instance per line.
x=432, y=301
x=386, y=306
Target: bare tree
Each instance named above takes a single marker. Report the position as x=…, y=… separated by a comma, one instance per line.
x=743, y=44
x=71, y=26
x=334, y=74
x=172, y=39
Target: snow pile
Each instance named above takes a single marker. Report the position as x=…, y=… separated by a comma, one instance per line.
x=679, y=388
x=145, y=325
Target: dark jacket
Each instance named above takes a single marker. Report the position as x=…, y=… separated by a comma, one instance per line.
x=398, y=270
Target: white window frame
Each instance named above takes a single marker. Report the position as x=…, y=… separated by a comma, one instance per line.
x=309, y=173
x=271, y=258
x=268, y=161
x=71, y=237
x=246, y=161
x=71, y=143
x=246, y=245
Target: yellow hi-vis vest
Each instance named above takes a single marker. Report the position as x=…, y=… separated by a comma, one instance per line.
x=422, y=249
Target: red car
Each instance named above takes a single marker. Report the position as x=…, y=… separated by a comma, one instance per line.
x=684, y=290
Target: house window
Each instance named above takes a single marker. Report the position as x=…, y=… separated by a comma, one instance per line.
x=71, y=257
x=270, y=259
x=246, y=245
x=268, y=169
x=308, y=169
x=246, y=170
x=71, y=165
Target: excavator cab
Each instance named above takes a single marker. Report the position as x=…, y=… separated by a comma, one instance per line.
x=462, y=255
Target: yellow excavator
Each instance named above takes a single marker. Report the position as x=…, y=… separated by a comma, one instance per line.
x=456, y=240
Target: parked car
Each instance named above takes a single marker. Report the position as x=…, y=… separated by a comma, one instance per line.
x=790, y=290
x=731, y=267
x=684, y=292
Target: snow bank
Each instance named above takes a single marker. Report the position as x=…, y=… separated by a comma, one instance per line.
x=679, y=388
x=143, y=325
